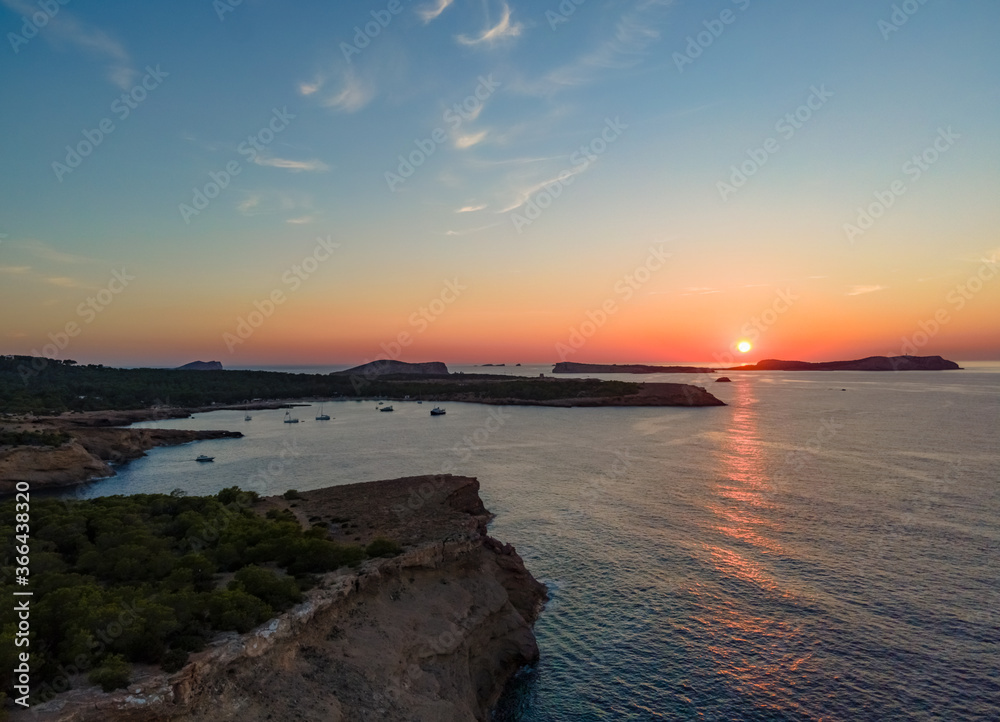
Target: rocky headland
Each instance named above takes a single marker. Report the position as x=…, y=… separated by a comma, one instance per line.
x=571, y=367
x=433, y=633
x=870, y=363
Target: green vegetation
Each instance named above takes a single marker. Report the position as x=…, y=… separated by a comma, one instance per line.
x=148, y=579
x=382, y=547
x=48, y=386
x=32, y=438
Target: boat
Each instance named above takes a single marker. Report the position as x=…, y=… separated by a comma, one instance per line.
x=420, y=402
x=322, y=416
x=247, y=417
x=386, y=408
x=437, y=411
x=202, y=457
x=289, y=419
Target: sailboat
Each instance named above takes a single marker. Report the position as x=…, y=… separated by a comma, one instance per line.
x=289, y=419
x=322, y=416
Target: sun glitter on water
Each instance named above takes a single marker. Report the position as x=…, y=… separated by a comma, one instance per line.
x=743, y=346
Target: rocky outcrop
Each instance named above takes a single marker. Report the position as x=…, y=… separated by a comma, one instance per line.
x=43, y=466
x=431, y=634
x=88, y=454
x=201, y=366
x=570, y=367
x=723, y=379
x=388, y=367
x=871, y=363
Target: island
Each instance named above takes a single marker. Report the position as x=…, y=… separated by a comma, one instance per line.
x=399, y=606
x=571, y=367
x=390, y=367
x=870, y=363
x=201, y=366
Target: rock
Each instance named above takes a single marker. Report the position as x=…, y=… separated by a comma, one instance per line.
x=571, y=367
x=724, y=379
x=201, y=366
x=388, y=367
x=870, y=363
x=431, y=634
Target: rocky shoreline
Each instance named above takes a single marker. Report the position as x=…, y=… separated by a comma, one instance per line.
x=431, y=634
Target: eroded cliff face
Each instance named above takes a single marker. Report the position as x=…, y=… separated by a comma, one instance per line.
x=432, y=634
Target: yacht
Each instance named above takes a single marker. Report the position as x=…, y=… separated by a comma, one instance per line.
x=322, y=416
x=437, y=411
x=202, y=457
x=289, y=419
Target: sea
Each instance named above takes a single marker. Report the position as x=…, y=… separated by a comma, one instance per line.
x=824, y=547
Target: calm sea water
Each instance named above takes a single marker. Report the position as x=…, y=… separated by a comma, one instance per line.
x=826, y=547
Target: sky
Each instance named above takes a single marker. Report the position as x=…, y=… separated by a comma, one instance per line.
x=473, y=181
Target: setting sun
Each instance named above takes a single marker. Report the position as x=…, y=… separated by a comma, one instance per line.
x=743, y=346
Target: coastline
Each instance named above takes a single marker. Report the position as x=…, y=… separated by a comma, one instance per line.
x=433, y=633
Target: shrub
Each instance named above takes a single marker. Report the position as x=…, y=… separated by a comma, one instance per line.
x=280, y=592
x=382, y=547
x=174, y=660
x=291, y=495
x=114, y=673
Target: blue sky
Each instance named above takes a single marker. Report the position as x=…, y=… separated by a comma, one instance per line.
x=549, y=83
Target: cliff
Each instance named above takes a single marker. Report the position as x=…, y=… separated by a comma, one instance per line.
x=431, y=634
x=387, y=367
x=570, y=367
x=870, y=363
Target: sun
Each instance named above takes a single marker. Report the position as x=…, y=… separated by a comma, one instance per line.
x=744, y=346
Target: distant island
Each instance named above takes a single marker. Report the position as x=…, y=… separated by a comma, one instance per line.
x=201, y=366
x=570, y=367
x=871, y=363
x=388, y=367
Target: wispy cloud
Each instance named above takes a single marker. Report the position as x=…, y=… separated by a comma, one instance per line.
x=700, y=291
x=522, y=195
x=633, y=33
x=470, y=209
x=430, y=12
x=64, y=27
x=272, y=201
x=295, y=166
x=469, y=139
x=45, y=252
x=467, y=231
x=353, y=94
x=861, y=290
x=15, y=270
x=503, y=29
x=300, y=220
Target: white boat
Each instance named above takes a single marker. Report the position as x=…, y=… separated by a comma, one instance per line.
x=289, y=419
x=202, y=457
x=322, y=416
x=437, y=411
x=386, y=408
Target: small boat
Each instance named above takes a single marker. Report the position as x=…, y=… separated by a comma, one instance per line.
x=322, y=416
x=289, y=419
x=437, y=411
x=386, y=408
x=247, y=417
x=202, y=457
x=420, y=402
